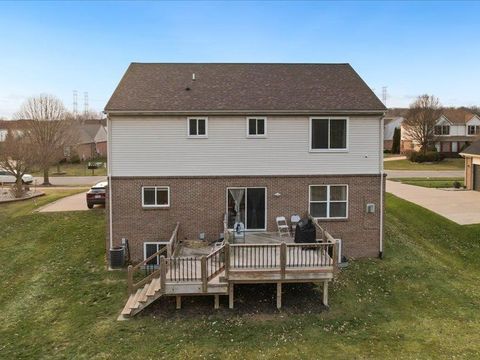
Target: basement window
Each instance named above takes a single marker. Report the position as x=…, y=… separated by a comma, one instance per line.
x=156, y=196
x=197, y=127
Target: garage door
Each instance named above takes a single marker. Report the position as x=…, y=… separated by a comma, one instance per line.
x=476, y=177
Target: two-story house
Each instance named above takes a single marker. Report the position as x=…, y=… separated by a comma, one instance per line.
x=455, y=129
x=191, y=142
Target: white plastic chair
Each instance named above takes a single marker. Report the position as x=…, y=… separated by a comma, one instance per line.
x=282, y=226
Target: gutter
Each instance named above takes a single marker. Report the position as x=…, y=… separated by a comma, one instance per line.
x=109, y=177
x=245, y=112
x=380, y=253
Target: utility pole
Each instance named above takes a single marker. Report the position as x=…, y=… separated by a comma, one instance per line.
x=384, y=95
x=85, y=103
x=75, y=103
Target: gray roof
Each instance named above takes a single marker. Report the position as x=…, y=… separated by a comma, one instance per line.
x=242, y=87
x=473, y=149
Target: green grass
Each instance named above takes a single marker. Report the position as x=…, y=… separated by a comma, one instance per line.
x=58, y=301
x=439, y=183
x=73, y=170
x=447, y=164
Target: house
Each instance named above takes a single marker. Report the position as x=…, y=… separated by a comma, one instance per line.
x=207, y=150
x=393, y=120
x=472, y=166
x=91, y=139
x=455, y=129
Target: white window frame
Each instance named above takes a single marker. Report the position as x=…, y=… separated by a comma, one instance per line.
x=156, y=188
x=476, y=130
x=442, y=127
x=328, y=201
x=347, y=127
x=256, y=136
x=158, y=243
x=206, y=127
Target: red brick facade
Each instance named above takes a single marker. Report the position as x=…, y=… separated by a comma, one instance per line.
x=199, y=204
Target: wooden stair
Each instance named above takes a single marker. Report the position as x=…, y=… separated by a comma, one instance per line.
x=141, y=299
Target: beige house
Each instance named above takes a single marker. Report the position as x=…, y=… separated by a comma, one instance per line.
x=472, y=166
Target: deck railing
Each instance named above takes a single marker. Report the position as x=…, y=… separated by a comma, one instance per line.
x=215, y=262
x=264, y=256
x=151, y=270
x=183, y=269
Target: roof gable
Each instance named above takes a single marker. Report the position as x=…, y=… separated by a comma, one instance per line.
x=242, y=87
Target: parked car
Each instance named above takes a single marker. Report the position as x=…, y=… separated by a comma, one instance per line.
x=7, y=177
x=96, y=194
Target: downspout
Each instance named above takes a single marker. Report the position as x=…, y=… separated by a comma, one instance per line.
x=109, y=177
x=380, y=253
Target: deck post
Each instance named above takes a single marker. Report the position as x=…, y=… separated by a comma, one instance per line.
x=279, y=295
x=230, y=296
x=130, y=279
x=216, y=302
x=227, y=259
x=163, y=274
x=283, y=259
x=178, y=300
x=204, y=274
x=325, y=293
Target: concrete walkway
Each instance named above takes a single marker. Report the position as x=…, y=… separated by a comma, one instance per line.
x=395, y=158
x=462, y=207
x=75, y=202
x=420, y=173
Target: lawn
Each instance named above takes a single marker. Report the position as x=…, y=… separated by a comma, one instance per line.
x=73, y=170
x=429, y=182
x=58, y=301
x=447, y=164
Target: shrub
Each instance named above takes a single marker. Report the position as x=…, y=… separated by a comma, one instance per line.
x=386, y=151
x=429, y=156
x=396, y=141
x=457, y=185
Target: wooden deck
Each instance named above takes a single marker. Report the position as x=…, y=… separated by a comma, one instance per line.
x=260, y=258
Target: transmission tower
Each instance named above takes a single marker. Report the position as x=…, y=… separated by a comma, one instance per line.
x=384, y=95
x=75, y=103
x=85, y=102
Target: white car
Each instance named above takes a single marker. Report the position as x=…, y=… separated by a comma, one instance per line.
x=7, y=177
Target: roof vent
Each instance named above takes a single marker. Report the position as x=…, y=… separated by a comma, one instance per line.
x=193, y=77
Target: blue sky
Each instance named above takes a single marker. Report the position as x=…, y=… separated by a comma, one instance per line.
x=412, y=48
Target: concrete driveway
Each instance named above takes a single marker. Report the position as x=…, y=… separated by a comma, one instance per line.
x=462, y=207
x=75, y=202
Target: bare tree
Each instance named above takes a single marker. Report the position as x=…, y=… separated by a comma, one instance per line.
x=16, y=157
x=421, y=119
x=49, y=131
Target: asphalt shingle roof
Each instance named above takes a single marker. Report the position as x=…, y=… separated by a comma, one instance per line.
x=242, y=87
x=473, y=149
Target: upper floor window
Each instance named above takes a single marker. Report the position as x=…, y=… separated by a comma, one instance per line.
x=473, y=129
x=256, y=127
x=328, y=134
x=328, y=201
x=197, y=127
x=441, y=130
x=156, y=196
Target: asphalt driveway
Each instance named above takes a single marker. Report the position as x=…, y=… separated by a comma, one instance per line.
x=462, y=207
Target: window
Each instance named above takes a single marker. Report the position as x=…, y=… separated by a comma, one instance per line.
x=473, y=129
x=328, y=201
x=441, y=130
x=328, y=134
x=197, y=127
x=156, y=196
x=150, y=248
x=256, y=127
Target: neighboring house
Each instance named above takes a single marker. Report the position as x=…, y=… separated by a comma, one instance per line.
x=393, y=120
x=472, y=166
x=15, y=126
x=92, y=139
x=222, y=147
x=454, y=130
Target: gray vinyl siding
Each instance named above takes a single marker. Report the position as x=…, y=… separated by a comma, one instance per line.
x=159, y=146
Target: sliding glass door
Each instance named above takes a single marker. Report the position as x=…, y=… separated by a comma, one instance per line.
x=248, y=206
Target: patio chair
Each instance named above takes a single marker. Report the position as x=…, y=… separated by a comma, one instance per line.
x=282, y=226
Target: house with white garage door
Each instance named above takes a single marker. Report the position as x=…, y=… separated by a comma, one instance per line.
x=472, y=166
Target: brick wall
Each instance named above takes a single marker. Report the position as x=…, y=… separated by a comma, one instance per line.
x=199, y=204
